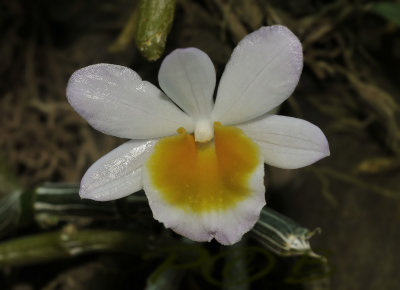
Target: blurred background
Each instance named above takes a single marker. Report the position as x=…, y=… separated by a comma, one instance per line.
x=349, y=88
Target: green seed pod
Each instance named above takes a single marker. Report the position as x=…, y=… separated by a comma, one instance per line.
x=154, y=23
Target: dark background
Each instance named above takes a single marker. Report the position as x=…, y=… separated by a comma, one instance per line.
x=349, y=88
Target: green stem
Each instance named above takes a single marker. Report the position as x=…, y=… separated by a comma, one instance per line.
x=155, y=19
x=69, y=242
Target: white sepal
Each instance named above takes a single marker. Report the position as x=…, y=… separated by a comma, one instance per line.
x=118, y=173
x=262, y=72
x=115, y=101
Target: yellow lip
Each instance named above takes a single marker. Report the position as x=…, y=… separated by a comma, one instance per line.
x=202, y=177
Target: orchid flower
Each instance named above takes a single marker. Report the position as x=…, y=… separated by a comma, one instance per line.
x=201, y=164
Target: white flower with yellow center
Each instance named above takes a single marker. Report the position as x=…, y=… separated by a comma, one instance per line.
x=200, y=164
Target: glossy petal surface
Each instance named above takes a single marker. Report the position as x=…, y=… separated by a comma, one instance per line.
x=115, y=101
x=262, y=72
x=118, y=173
x=287, y=142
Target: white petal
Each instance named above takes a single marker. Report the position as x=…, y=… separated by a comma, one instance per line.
x=115, y=101
x=187, y=76
x=287, y=142
x=118, y=173
x=226, y=226
x=263, y=71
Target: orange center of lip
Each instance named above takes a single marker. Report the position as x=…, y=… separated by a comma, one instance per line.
x=201, y=177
